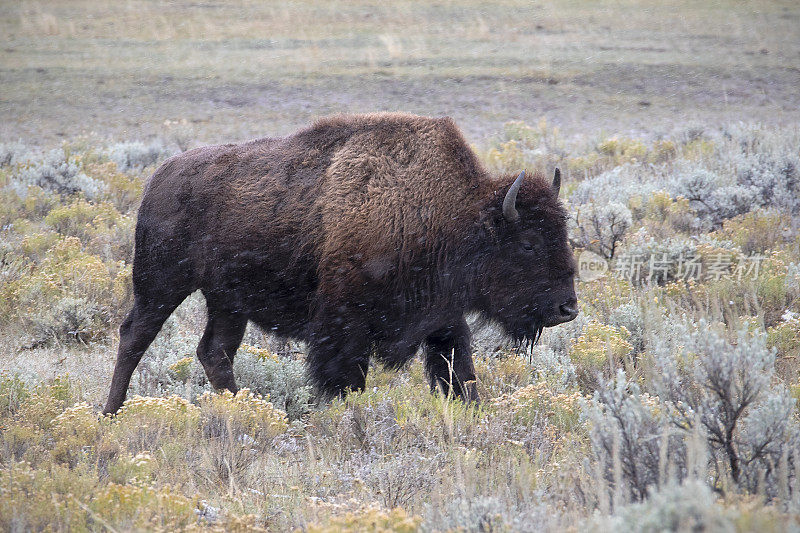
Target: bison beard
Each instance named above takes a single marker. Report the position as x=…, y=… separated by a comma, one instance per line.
x=365, y=236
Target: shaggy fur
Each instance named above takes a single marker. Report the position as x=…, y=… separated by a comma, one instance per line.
x=365, y=236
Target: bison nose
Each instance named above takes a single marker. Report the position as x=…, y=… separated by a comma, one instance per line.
x=568, y=311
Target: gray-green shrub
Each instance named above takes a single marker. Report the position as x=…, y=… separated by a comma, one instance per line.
x=56, y=172
x=600, y=227
x=690, y=506
x=701, y=386
x=13, y=153
x=137, y=155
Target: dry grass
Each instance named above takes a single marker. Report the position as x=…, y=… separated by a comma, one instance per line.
x=239, y=69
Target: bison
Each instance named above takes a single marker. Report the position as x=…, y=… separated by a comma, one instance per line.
x=366, y=236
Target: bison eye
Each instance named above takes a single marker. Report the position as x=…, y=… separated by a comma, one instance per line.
x=531, y=242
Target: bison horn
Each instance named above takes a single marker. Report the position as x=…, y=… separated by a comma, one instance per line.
x=557, y=181
x=509, y=210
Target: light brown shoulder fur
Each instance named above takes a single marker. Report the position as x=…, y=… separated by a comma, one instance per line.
x=400, y=188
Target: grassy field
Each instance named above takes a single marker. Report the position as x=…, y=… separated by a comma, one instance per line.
x=670, y=404
x=235, y=70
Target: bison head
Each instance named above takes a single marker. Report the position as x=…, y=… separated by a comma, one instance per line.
x=529, y=283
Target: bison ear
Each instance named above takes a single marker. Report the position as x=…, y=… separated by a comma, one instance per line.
x=509, y=202
x=557, y=181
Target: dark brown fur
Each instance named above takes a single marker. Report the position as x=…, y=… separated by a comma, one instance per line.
x=365, y=236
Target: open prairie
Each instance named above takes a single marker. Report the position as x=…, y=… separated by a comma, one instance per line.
x=242, y=69
x=668, y=404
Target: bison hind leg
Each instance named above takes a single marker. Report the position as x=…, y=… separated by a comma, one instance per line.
x=217, y=348
x=136, y=333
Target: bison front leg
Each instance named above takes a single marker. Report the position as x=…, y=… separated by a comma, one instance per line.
x=338, y=359
x=448, y=361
